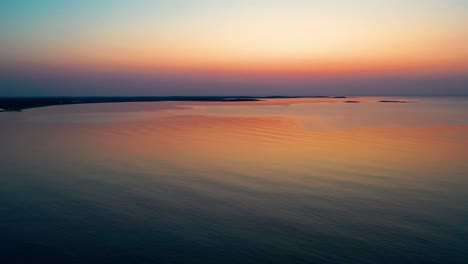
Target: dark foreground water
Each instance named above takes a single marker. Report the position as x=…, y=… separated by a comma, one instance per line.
x=282, y=181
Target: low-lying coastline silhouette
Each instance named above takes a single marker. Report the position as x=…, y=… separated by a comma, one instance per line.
x=21, y=103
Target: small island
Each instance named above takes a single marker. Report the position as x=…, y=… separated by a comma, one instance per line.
x=393, y=101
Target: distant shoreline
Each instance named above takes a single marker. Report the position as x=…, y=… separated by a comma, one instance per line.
x=9, y=104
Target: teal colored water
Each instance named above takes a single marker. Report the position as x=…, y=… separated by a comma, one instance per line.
x=279, y=181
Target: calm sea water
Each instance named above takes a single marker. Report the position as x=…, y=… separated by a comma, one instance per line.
x=280, y=181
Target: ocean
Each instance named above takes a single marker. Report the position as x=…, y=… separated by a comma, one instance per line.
x=306, y=180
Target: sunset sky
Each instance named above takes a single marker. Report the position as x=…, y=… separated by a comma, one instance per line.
x=236, y=47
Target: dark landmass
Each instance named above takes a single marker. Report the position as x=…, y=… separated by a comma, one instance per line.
x=340, y=97
x=20, y=103
x=351, y=102
x=393, y=101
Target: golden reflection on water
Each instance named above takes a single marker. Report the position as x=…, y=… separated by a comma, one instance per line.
x=279, y=149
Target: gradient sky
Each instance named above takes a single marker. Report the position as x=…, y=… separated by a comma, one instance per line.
x=254, y=47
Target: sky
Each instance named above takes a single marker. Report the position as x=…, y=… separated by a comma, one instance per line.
x=233, y=47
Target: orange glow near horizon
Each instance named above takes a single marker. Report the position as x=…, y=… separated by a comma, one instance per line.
x=285, y=68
